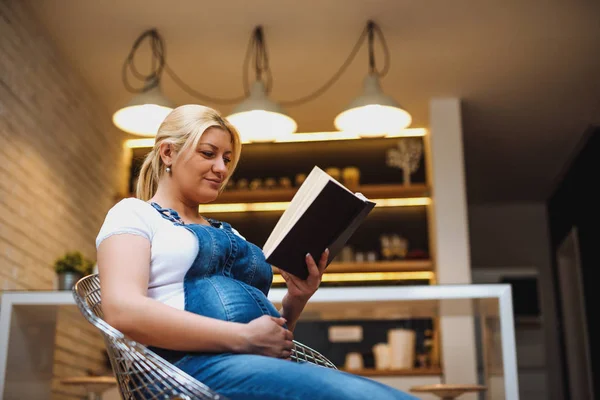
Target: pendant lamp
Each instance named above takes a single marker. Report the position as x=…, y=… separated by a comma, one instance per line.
x=373, y=113
x=257, y=118
x=145, y=112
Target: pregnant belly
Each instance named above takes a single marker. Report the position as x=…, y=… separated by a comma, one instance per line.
x=226, y=299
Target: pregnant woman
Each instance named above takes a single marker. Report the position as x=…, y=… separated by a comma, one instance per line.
x=194, y=290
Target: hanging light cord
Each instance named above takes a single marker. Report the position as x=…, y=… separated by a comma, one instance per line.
x=373, y=28
x=157, y=63
x=257, y=54
x=261, y=61
x=370, y=30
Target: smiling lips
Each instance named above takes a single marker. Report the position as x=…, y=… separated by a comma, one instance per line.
x=214, y=182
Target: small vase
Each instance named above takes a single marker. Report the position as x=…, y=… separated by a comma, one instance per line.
x=66, y=280
x=351, y=177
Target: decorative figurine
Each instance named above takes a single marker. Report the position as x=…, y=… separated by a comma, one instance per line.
x=399, y=247
x=242, y=184
x=255, y=184
x=407, y=156
x=300, y=178
x=270, y=183
x=386, y=247
x=285, y=182
x=335, y=173
x=351, y=177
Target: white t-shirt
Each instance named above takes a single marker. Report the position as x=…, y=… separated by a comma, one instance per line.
x=173, y=248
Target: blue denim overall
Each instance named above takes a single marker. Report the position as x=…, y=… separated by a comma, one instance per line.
x=230, y=280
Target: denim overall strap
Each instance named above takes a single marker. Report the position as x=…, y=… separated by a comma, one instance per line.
x=174, y=217
x=168, y=213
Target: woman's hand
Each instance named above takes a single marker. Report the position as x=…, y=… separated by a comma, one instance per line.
x=267, y=336
x=301, y=290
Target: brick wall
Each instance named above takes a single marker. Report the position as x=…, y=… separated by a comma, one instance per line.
x=61, y=167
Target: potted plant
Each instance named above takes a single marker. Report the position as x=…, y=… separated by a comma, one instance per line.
x=71, y=267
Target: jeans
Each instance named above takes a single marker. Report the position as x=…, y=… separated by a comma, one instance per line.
x=254, y=377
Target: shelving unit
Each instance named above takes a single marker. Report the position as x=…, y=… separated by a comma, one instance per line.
x=401, y=209
x=379, y=266
x=396, y=372
x=255, y=212
x=355, y=270
x=373, y=191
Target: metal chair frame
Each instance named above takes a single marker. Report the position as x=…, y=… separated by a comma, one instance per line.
x=141, y=373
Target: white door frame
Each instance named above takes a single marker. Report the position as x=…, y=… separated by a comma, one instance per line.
x=570, y=286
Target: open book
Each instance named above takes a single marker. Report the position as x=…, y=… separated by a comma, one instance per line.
x=322, y=214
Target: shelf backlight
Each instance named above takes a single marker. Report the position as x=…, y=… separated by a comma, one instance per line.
x=300, y=137
x=369, y=276
x=282, y=205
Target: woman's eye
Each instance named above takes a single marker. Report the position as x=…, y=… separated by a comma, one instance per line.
x=227, y=160
x=207, y=153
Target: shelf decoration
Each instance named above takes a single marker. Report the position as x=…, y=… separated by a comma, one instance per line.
x=406, y=156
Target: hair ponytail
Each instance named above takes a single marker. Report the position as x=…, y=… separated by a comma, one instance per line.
x=149, y=175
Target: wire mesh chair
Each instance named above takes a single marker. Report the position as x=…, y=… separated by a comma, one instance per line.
x=141, y=373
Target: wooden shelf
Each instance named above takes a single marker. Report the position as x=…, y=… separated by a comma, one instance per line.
x=396, y=372
x=276, y=195
x=378, y=266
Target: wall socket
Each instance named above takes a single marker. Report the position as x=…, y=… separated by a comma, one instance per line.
x=347, y=334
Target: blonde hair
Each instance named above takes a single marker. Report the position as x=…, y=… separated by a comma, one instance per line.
x=182, y=128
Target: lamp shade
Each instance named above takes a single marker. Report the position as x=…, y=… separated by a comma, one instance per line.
x=144, y=113
x=258, y=119
x=373, y=113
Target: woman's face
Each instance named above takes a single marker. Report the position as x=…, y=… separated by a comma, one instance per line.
x=200, y=172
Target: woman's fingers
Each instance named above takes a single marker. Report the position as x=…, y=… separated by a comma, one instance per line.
x=288, y=335
x=323, y=261
x=312, y=266
x=285, y=275
x=286, y=353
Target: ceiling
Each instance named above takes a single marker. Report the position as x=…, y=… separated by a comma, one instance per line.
x=528, y=72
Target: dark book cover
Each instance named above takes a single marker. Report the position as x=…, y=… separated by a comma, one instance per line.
x=328, y=222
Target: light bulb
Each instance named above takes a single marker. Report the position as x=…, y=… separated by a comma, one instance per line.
x=145, y=112
x=373, y=113
x=262, y=126
x=373, y=120
x=143, y=120
x=259, y=119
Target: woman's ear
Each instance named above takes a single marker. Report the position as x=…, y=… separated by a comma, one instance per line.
x=167, y=154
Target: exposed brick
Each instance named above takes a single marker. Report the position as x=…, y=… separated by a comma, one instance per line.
x=62, y=164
